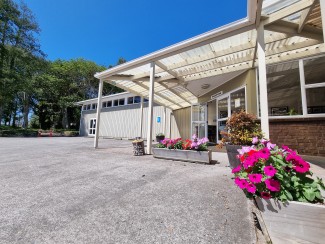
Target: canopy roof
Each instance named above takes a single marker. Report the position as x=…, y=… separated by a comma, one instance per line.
x=189, y=69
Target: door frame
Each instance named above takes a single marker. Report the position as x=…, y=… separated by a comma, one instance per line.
x=89, y=127
x=223, y=96
x=205, y=122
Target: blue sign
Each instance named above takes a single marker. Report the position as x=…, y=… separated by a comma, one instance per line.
x=158, y=119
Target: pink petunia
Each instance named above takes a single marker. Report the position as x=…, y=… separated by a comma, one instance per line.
x=270, y=170
x=236, y=170
x=301, y=166
x=255, y=178
x=251, y=188
x=244, y=150
x=272, y=185
x=264, y=153
x=265, y=195
x=255, y=140
x=241, y=183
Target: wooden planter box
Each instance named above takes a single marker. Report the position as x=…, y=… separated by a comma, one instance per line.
x=293, y=221
x=182, y=155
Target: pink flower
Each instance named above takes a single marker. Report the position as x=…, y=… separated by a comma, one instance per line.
x=236, y=170
x=270, y=146
x=244, y=150
x=255, y=140
x=251, y=188
x=301, y=166
x=264, y=153
x=194, y=145
x=255, y=178
x=265, y=195
x=241, y=183
x=264, y=141
x=194, y=137
x=272, y=185
x=270, y=170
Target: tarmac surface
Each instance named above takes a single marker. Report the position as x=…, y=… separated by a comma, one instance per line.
x=61, y=190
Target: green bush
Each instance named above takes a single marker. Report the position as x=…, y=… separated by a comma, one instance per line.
x=71, y=133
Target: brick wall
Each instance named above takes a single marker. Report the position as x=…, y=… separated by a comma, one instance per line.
x=307, y=136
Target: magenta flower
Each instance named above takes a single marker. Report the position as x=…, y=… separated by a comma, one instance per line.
x=241, y=183
x=265, y=195
x=264, y=153
x=270, y=170
x=301, y=166
x=251, y=188
x=255, y=178
x=236, y=170
x=255, y=140
x=194, y=137
x=264, y=141
x=272, y=185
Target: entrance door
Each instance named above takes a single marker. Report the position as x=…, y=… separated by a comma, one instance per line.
x=92, y=127
x=199, y=120
x=222, y=114
x=228, y=104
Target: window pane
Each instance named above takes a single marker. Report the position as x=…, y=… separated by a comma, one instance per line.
x=237, y=100
x=137, y=99
x=314, y=70
x=130, y=100
x=115, y=103
x=145, y=100
x=223, y=108
x=109, y=104
x=104, y=105
x=94, y=106
x=88, y=106
x=121, y=102
x=315, y=100
x=283, y=87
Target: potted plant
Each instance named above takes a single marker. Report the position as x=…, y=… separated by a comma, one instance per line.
x=241, y=127
x=195, y=150
x=280, y=181
x=160, y=137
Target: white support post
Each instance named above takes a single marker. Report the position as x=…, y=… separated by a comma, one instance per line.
x=99, y=108
x=164, y=121
x=141, y=118
x=262, y=81
x=302, y=87
x=322, y=10
x=150, y=107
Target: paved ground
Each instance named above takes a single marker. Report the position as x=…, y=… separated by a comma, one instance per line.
x=61, y=190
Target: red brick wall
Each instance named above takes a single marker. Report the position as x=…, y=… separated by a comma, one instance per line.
x=307, y=136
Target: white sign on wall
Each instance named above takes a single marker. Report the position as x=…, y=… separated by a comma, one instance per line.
x=237, y=102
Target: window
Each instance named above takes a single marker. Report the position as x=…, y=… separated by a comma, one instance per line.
x=94, y=106
x=121, y=102
x=84, y=107
x=130, y=100
x=283, y=88
x=104, y=105
x=314, y=70
x=115, y=103
x=109, y=104
x=88, y=107
x=145, y=100
x=92, y=126
x=137, y=99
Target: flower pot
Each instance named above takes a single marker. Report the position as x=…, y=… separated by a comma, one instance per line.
x=182, y=155
x=232, y=152
x=138, y=148
x=159, y=138
x=293, y=221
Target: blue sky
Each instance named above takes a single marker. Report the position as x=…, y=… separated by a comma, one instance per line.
x=104, y=30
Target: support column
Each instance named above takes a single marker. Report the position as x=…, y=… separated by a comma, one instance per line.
x=150, y=107
x=141, y=118
x=99, y=108
x=322, y=10
x=164, y=122
x=262, y=81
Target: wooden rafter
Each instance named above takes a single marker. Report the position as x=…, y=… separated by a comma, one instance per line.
x=304, y=16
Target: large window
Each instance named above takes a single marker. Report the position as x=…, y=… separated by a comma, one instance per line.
x=297, y=88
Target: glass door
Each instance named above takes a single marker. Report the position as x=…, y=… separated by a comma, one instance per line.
x=222, y=115
x=199, y=120
x=92, y=127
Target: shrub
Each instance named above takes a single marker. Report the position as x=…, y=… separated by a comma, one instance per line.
x=241, y=128
x=71, y=133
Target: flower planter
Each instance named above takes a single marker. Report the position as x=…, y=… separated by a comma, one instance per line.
x=159, y=138
x=293, y=221
x=232, y=152
x=182, y=155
